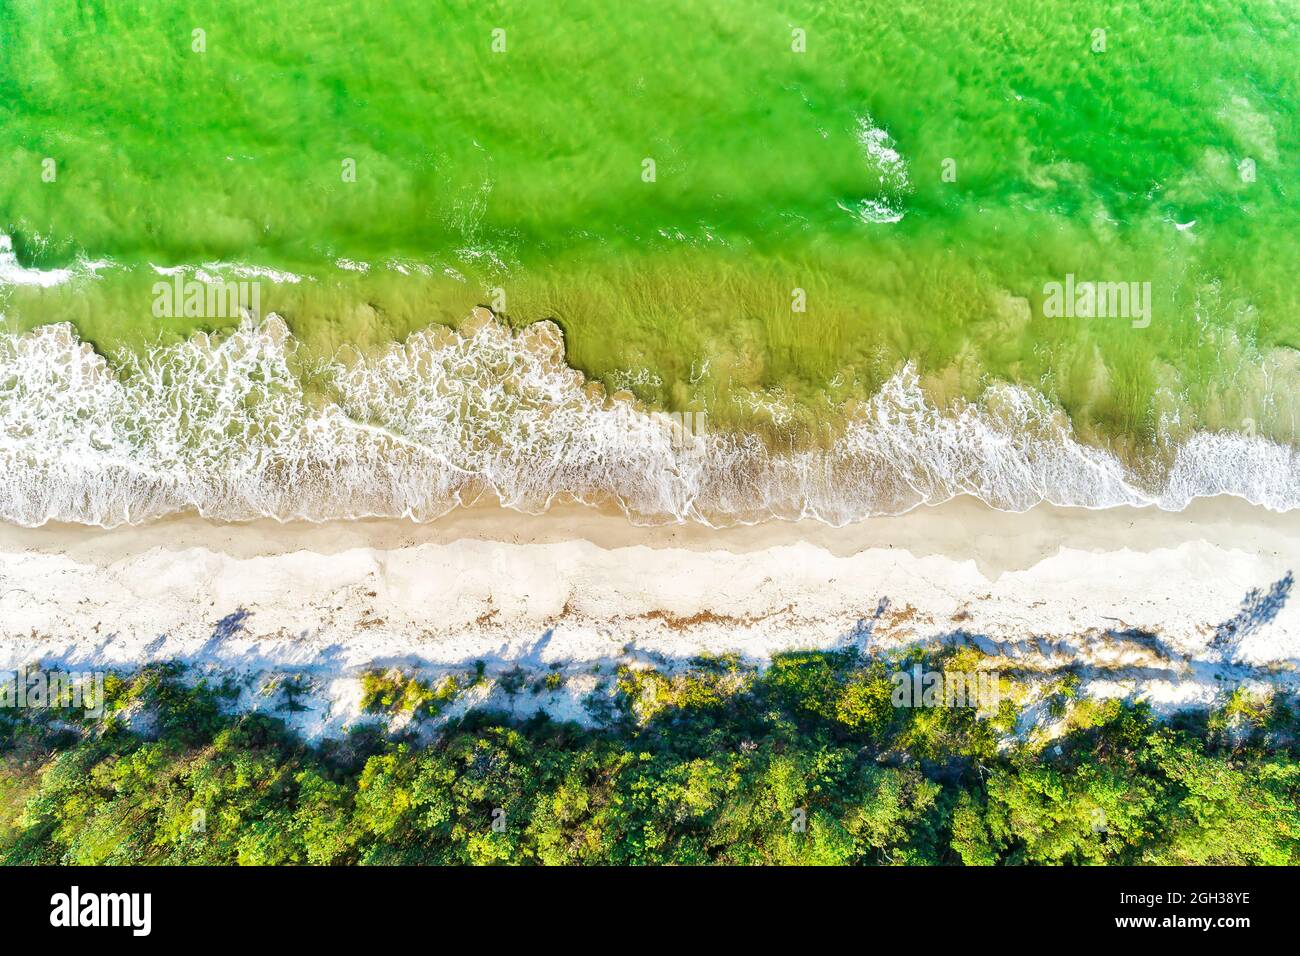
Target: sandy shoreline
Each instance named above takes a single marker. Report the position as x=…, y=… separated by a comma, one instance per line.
x=961, y=529
x=1148, y=603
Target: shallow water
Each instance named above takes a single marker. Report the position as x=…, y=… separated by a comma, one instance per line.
x=225, y=427
x=914, y=178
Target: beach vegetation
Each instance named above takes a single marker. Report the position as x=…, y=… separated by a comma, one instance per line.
x=796, y=763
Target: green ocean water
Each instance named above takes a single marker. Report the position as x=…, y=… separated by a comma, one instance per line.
x=1010, y=144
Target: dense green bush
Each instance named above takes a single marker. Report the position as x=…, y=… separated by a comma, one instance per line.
x=804, y=762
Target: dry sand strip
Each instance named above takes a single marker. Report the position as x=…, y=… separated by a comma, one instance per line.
x=1176, y=608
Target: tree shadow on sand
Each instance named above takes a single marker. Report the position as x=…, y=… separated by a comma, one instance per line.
x=1257, y=609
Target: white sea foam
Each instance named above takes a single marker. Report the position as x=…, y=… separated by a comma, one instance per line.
x=891, y=169
x=12, y=272
x=213, y=271
x=223, y=426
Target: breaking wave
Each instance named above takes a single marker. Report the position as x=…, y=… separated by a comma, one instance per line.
x=14, y=273
x=225, y=427
x=891, y=170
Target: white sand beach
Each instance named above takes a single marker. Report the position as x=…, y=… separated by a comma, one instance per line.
x=1174, y=607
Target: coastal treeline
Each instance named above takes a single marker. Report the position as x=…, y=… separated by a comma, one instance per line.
x=807, y=761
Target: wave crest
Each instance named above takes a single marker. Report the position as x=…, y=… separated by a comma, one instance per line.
x=226, y=428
